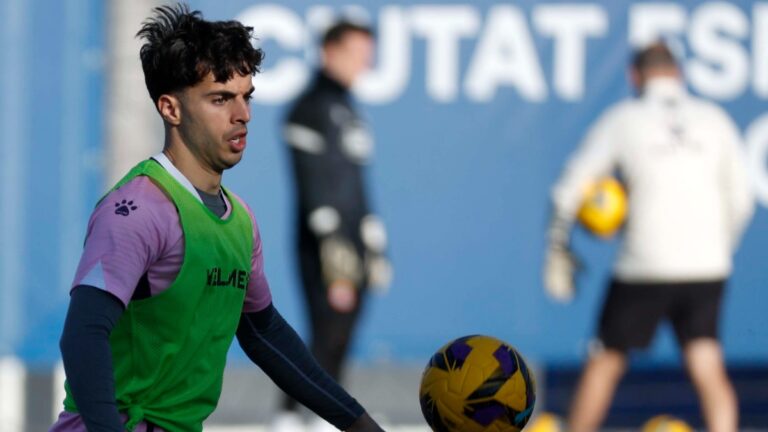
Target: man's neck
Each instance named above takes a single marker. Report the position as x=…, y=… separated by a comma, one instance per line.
x=336, y=77
x=201, y=176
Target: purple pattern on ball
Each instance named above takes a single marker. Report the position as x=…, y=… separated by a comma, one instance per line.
x=460, y=351
x=487, y=414
x=504, y=357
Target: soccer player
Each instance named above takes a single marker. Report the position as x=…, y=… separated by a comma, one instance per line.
x=340, y=241
x=172, y=266
x=689, y=202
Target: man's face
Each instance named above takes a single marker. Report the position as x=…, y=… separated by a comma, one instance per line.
x=351, y=56
x=639, y=78
x=213, y=123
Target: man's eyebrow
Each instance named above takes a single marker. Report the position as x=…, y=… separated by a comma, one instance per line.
x=228, y=94
x=224, y=93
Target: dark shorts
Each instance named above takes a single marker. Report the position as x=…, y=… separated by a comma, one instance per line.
x=632, y=311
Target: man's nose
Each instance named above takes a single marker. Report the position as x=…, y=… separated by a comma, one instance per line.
x=242, y=112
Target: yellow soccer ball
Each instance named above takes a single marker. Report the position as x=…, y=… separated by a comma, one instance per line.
x=546, y=422
x=477, y=384
x=666, y=423
x=604, y=207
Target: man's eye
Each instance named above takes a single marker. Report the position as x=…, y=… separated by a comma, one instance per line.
x=218, y=100
x=249, y=98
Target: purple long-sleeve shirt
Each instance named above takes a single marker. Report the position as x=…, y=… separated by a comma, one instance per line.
x=133, y=232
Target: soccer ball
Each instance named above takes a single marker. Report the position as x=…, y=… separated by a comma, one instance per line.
x=477, y=384
x=666, y=423
x=604, y=207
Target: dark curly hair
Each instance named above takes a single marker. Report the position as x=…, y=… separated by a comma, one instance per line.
x=181, y=48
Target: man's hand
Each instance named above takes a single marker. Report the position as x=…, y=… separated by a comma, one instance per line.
x=560, y=270
x=339, y=261
x=364, y=423
x=342, y=296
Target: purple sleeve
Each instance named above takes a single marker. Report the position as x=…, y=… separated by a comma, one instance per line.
x=126, y=233
x=257, y=296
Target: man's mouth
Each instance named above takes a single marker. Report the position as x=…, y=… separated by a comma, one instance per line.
x=237, y=141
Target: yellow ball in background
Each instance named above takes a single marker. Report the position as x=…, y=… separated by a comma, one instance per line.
x=604, y=207
x=546, y=422
x=665, y=423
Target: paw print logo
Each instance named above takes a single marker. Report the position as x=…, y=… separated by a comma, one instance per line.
x=124, y=207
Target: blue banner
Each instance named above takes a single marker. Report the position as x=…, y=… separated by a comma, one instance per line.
x=474, y=107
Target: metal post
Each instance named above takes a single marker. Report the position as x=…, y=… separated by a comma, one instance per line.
x=134, y=131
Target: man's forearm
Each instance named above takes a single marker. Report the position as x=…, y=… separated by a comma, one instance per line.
x=87, y=357
x=275, y=347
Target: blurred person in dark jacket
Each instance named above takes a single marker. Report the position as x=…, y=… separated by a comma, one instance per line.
x=340, y=242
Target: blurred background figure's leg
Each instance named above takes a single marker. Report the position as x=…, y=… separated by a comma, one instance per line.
x=704, y=361
x=595, y=391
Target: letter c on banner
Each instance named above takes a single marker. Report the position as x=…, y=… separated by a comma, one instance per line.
x=284, y=80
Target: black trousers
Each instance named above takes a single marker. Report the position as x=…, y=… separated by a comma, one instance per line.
x=331, y=332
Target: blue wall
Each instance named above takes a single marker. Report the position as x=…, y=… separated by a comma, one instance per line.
x=461, y=173
x=51, y=120
x=463, y=184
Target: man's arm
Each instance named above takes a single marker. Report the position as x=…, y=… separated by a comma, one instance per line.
x=314, y=141
x=271, y=343
x=594, y=158
x=87, y=357
x=312, y=138
x=118, y=251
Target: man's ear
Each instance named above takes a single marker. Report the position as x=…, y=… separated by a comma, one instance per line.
x=169, y=107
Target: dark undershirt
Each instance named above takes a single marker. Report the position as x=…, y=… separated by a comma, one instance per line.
x=267, y=339
x=214, y=202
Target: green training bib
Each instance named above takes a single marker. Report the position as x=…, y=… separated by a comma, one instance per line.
x=169, y=350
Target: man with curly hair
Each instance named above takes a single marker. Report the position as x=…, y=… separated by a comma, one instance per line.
x=172, y=267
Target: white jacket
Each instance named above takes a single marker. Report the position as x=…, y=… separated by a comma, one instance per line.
x=681, y=160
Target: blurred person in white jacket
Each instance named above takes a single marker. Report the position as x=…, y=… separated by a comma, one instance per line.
x=680, y=159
